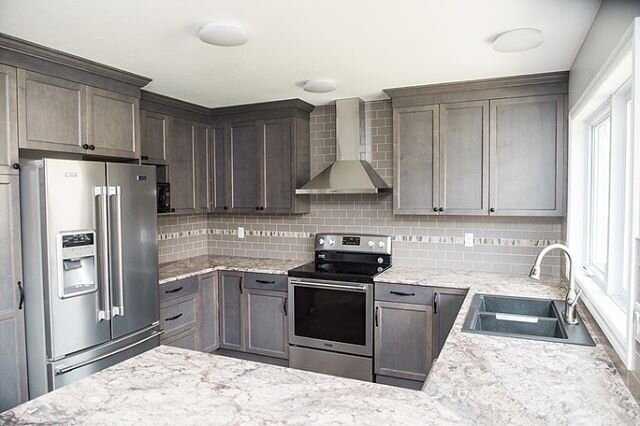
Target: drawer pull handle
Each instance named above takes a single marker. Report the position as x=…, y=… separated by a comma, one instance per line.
x=265, y=282
x=174, y=317
x=175, y=290
x=401, y=293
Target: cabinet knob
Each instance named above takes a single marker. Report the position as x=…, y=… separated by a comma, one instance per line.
x=261, y=207
x=16, y=166
x=435, y=209
x=257, y=207
x=92, y=147
x=492, y=210
x=225, y=207
x=144, y=157
x=441, y=209
x=85, y=146
x=173, y=210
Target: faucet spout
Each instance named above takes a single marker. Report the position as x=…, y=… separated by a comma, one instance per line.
x=572, y=296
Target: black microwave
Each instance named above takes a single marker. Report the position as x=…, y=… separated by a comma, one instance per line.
x=164, y=198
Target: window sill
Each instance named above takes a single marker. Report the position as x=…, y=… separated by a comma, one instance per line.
x=607, y=313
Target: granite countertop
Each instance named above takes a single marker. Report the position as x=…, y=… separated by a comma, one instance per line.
x=172, y=271
x=477, y=379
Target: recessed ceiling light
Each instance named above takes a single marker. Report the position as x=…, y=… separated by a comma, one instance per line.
x=222, y=34
x=319, y=86
x=518, y=40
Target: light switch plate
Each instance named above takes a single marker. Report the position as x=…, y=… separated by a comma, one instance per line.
x=468, y=239
x=240, y=232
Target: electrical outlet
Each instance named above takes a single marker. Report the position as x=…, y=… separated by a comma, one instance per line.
x=468, y=239
x=240, y=232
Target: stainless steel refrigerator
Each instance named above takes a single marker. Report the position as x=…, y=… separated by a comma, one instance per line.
x=90, y=259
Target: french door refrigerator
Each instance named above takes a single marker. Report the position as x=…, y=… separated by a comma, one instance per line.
x=90, y=259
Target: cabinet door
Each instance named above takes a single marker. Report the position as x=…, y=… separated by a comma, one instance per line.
x=13, y=365
x=208, y=313
x=8, y=119
x=51, y=113
x=446, y=308
x=113, y=123
x=155, y=129
x=267, y=328
x=231, y=311
x=402, y=340
x=464, y=158
x=181, y=169
x=201, y=167
x=217, y=170
x=527, y=139
x=244, y=165
x=277, y=183
x=415, y=144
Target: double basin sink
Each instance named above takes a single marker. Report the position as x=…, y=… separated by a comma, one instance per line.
x=525, y=318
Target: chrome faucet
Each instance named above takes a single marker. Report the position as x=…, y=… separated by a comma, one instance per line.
x=571, y=299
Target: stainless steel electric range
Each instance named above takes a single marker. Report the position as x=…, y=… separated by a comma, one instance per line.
x=331, y=305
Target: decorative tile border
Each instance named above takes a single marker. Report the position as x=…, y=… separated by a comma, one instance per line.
x=401, y=238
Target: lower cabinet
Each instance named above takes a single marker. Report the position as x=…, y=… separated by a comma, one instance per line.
x=179, y=313
x=267, y=328
x=447, y=304
x=208, y=312
x=231, y=311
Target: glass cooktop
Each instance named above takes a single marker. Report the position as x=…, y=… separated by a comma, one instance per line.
x=339, y=271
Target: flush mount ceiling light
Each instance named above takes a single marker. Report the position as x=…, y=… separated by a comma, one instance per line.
x=222, y=34
x=319, y=86
x=518, y=40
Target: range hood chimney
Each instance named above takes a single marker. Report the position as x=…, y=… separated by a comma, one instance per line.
x=348, y=174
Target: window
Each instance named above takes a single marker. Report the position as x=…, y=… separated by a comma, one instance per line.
x=599, y=185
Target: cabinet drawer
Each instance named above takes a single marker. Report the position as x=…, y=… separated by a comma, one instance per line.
x=265, y=281
x=186, y=340
x=179, y=288
x=178, y=316
x=402, y=293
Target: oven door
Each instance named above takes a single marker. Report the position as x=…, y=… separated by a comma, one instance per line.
x=330, y=315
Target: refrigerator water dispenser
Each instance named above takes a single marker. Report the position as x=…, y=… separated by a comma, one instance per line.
x=77, y=268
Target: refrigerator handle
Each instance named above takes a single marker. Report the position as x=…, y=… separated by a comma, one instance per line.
x=104, y=313
x=115, y=204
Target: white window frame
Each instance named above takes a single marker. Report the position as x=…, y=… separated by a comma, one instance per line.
x=614, y=315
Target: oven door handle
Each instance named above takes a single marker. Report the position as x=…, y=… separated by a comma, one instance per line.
x=355, y=288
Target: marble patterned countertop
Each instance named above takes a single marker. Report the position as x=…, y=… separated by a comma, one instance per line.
x=172, y=271
x=477, y=379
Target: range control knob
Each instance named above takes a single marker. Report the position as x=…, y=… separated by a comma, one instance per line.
x=380, y=260
x=370, y=243
x=381, y=244
x=331, y=242
x=321, y=241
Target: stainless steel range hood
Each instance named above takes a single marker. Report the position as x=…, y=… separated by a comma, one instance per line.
x=349, y=174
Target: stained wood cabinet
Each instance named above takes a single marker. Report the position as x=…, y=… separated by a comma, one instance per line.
x=208, y=312
x=218, y=161
x=244, y=166
x=113, y=123
x=51, y=113
x=232, y=311
x=201, y=167
x=8, y=119
x=267, y=323
x=277, y=166
x=446, y=306
x=155, y=128
x=498, y=148
x=181, y=165
x=13, y=365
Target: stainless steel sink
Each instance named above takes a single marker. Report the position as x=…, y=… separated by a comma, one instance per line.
x=524, y=318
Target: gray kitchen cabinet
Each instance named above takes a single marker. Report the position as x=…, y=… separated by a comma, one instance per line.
x=217, y=155
x=13, y=362
x=446, y=306
x=8, y=119
x=179, y=313
x=186, y=340
x=51, y=113
x=403, y=340
x=201, y=167
x=277, y=164
x=527, y=164
x=244, y=166
x=208, y=312
x=155, y=128
x=232, y=310
x=267, y=323
x=113, y=123
x=464, y=158
x=415, y=146
x=181, y=165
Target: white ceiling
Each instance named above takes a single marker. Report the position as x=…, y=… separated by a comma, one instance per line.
x=364, y=45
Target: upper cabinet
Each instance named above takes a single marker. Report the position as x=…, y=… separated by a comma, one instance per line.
x=155, y=128
x=8, y=120
x=243, y=166
x=491, y=147
x=51, y=113
x=217, y=164
x=181, y=166
x=113, y=123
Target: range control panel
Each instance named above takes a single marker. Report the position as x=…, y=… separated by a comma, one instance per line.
x=362, y=243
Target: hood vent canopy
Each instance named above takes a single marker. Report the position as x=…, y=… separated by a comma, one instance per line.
x=348, y=174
